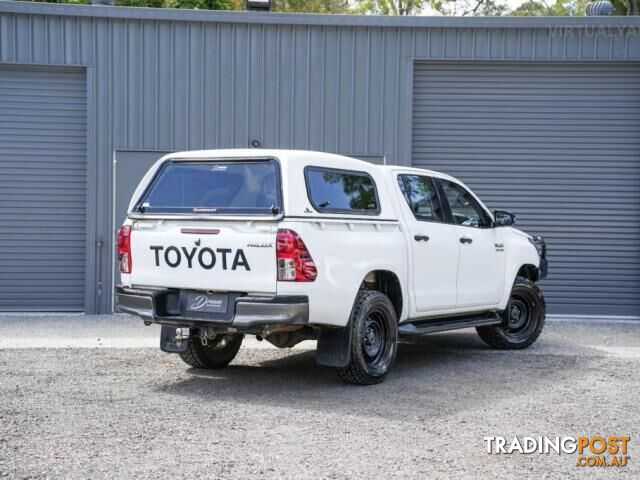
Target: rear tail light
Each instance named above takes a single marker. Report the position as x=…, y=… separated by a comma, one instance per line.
x=294, y=261
x=124, y=249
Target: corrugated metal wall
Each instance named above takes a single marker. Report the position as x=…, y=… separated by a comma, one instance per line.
x=559, y=146
x=168, y=80
x=43, y=188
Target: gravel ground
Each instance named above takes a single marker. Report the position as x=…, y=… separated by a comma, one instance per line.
x=102, y=404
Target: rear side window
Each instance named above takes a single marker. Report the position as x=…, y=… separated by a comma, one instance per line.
x=342, y=191
x=244, y=187
x=420, y=194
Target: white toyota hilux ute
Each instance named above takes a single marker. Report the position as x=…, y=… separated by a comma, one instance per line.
x=294, y=245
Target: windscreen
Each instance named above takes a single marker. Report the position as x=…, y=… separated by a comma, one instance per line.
x=244, y=187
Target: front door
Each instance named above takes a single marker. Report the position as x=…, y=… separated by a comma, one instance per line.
x=433, y=245
x=482, y=258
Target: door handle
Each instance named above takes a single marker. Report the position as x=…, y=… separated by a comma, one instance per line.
x=421, y=238
x=466, y=240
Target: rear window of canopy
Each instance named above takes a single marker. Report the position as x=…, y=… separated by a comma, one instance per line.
x=214, y=188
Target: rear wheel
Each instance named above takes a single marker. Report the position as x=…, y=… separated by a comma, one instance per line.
x=523, y=319
x=374, y=339
x=218, y=352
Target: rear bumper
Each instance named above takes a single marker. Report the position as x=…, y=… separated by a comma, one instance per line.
x=246, y=312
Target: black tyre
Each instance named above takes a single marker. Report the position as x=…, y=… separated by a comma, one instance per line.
x=374, y=339
x=523, y=320
x=217, y=354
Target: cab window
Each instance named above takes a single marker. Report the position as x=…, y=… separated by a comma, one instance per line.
x=341, y=191
x=465, y=208
x=421, y=196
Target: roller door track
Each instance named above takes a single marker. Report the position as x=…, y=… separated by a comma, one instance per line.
x=557, y=144
x=42, y=189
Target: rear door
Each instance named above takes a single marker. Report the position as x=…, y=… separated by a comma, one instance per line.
x=205, y=255
x=482, y=258
x=208, y=225
x=433, y=244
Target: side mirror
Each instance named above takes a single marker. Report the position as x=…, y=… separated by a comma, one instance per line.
x=504, y=218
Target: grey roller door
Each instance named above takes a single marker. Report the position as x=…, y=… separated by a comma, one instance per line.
x=42, y=189
x=557, y=144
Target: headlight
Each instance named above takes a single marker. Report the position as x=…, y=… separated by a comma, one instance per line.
x=540, y=245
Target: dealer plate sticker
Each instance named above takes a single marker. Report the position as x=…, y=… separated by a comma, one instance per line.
x=207, y=303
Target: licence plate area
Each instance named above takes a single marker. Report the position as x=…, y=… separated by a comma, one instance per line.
x=207, y=305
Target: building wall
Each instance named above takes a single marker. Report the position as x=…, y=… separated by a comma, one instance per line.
x=173, y=80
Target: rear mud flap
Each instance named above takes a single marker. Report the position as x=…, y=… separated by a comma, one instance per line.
x=170, y=343
x=334, y=347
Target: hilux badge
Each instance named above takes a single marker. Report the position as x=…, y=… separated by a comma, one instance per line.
x=260, y=245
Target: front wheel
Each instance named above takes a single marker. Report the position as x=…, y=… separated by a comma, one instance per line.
x=374, y=339
x=218, y=353
x=523, y=319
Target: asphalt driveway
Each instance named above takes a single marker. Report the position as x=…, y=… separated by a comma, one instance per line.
x=93, y=397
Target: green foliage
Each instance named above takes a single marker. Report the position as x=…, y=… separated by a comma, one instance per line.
x=574, y=8
x=469, y=7
x=443, y=7
x=200, y=4
x=73, y=2
x=535, y=8
x=311, y=6
x=390, y=7
x=140, y=3
x=625, y=7
x=633, y=6
x=540, y=8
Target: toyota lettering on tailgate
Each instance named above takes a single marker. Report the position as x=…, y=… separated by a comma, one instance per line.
x=206, y=257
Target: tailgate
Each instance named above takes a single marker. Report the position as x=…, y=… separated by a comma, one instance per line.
x=224, y=256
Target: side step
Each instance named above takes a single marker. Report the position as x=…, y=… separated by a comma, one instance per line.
x=442, y=324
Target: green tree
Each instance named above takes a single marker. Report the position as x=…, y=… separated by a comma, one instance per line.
x=305, y=6
x=390, y=7
x=444, y=7
x=311, y=6
x=574, y=8
x=74, y=2
x=542, y=8
x=487, y=8
x=200, y=4
x=626, y=7
x=469, y=7
x=393, y=7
